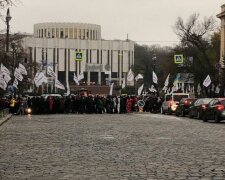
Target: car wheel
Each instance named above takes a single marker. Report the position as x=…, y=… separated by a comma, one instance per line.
x=204, y=118
x=162, y=112
x=216, y=118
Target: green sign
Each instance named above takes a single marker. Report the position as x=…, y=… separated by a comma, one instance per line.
x=179, y=59
x=78, y=56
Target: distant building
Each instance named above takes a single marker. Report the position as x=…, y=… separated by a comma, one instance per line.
x=222, y=42
x=58, y=44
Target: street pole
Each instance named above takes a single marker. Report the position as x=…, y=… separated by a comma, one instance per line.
x=8, y=18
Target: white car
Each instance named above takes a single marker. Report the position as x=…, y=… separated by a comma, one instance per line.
x=171, y=101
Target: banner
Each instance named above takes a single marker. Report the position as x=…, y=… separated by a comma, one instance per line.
x=139, y=76
x=154, y=78
x=140, y=89
x=76, y=79
x=130, y=75
x=59, y=85
x=18, y=75
x=50, y=72
x=111, y=89
x=22, y=69
x=207, y=81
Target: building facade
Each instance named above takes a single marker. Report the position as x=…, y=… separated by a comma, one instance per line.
x=222, y=42
x=57, y=44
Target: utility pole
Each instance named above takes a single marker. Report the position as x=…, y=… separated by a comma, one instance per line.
x=8, y=18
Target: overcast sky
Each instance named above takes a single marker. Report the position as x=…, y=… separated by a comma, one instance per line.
x=146, y=21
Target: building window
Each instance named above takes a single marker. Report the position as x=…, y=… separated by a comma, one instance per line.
x=94, y=35
x=97, y=56
x=45, y=35
x=91, y=35
x=75, y=33
x=78, y=34
x=57, y=33
x=87, y=34
x=83, y=33
x=61, y=33
x=87, y=55
x=53, y=32
x=42, y=33
x=66, y=33
x=71, y=33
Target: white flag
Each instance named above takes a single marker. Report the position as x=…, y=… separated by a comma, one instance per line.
x=50, y=72
x=15, y=83
x=6, y=77
x=124, y=83
x=59, y=85
x=139, y=76
x=217, y=91
x=130, y=75
x=81, y=76
x=76, y=79
x=3, y=84
x=152, y=89
x=207, y=81
x=167, y=80
x=22, y=69
x=154, y=78
x=41, y=78
x=140, y=89
x=111, y=89
x=18, y=75
x=4, y=69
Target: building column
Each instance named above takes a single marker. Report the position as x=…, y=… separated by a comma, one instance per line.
x=99, y=78
x=88, y=77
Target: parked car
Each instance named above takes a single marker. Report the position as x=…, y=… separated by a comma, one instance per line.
x=197, y=108
x=215, y=110
x=171, y=102
x=183, y=106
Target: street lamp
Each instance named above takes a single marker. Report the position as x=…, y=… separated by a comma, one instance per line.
x=154, y=60
x=8, y=18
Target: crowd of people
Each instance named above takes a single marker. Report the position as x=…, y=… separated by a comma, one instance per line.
x=80, y=104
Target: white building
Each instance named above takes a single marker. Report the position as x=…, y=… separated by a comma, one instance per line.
x=55, y=44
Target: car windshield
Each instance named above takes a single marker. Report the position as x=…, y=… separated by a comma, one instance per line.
x=205, y=101
x=179, y=97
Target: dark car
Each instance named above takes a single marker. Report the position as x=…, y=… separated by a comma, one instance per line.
x=183, y=106
x=215, y=110
x=198, y=107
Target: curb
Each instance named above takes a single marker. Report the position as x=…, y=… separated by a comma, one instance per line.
x=5, y=119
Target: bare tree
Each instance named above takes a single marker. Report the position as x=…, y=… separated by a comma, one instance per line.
x=196, y=33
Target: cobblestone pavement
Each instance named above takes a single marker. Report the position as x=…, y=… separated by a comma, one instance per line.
x=132, y=146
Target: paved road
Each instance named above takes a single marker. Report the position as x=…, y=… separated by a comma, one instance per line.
x=133, y=146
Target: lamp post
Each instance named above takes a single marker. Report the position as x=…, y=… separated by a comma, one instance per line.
x=154, y=60
x=8, y=18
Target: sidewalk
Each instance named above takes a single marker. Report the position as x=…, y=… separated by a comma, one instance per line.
x=5, y=119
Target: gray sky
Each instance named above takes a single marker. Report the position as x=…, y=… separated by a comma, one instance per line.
x=146, y=21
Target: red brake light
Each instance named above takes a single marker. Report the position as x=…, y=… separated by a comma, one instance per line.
x=186, y=102
x=170, y=102
x=220, y=107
